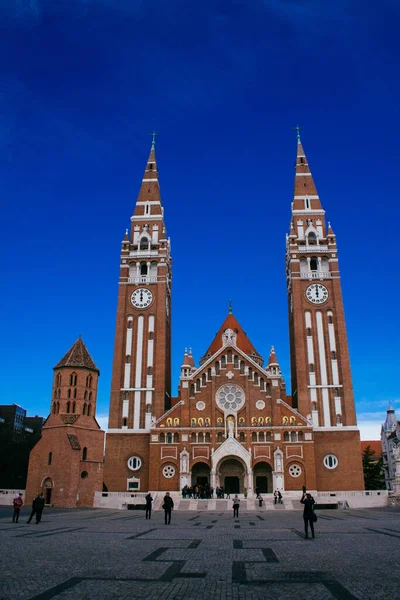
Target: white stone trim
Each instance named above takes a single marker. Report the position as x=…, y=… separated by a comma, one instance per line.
x=304, y=175
x=126, y=430
x=138, y=371
x=144, y=180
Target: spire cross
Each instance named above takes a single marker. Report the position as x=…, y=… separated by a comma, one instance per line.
x=153, y=141
x=297, y=128
x=230, y=310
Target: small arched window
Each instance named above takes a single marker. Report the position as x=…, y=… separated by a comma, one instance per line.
x=162, y=438
x=84, y=453
x=58, y=407
x=149, y=370
x=236, y=362
x=337, y=392
x=311, y=368
x=333, y=355
x=124, y=421
x=241, y=367
x=293, y=436
x=127, y=359
x=85, y=395
x=143, y=268
x=256, y=378
x=198, y=385
x=338, y=420
x=49, y=458
x=69, y=393
x=312, y=239
x=268, y=437
x=84, y=408
x=268, y=389
x=130, y=324
x=242, y=437
x=219, y=437
x=68, y=407
x=89, y=410
x=74, y=392
x=192, y=389
x=204, y=379
x=286, y=436
x=300, y=436
x=169, y=438
x=193, y=437
x=262, y=384
x=261, y=437
x=250, y=373
x=254, y=436
x=144, y=243
x=201, y=436
x=90, y=396
x=54, y=408
x=314, y=264
x=223, y=361
x=207, y=438
x=330, y=319
x=209, y=376
x=73, y=407
x=229, y=355
x=176, y=438
x=217, y=368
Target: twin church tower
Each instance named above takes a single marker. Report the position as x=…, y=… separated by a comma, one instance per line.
x=232, y=423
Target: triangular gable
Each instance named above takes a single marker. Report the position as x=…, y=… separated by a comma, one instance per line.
x=167, y=414
x=293, y=411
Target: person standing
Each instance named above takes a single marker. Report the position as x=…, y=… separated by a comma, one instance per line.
x=236, y=504
x=149, y=500
x=276, y=496
x=228, y=493
x=37, y=508
x=260, y=500
x=17, y=503
x=308, y=513
x=168, y=506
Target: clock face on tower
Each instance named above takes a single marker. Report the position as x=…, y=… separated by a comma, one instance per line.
x=317, y=293
x=141, y=298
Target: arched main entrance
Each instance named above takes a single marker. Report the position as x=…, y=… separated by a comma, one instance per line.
x=262, y=473
x=200, y=474
x=232, y=476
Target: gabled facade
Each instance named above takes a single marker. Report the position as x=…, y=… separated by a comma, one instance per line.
x=232, y=424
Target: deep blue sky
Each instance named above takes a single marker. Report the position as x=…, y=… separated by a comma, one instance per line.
x=82, y=85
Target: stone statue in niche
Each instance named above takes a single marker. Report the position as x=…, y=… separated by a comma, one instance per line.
x=185, y=463
x=278, y=462
x=231, y=428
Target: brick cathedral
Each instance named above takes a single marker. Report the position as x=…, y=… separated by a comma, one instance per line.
x=232, y=423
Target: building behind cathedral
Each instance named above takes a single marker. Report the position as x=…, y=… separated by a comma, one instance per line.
x=232, y=423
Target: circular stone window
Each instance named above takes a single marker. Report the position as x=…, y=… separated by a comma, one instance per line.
x=84, y=474
x=168, y=471
x=295, y=470
x=134, y=463
x=200, y=405
x=230, y=397
x=330, y=461
x=260, y=404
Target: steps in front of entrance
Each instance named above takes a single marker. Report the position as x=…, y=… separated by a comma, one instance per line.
x=225, y=505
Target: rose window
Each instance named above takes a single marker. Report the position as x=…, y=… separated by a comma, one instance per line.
x=168, y=471
x=295, y=470
x=230, y=397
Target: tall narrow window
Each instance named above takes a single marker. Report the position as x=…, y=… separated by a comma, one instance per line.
x=312, y=239
x=84, y=453
x=144, y=243
x=69, y=393
x=242, y=437
x=162, y=438
x=333, y=355
x=311, y=368
x=223, y=361
x=89, y=410
x=250, y=373
x=314, y=264
x=50, y=458
x=84, y=408
x=68, y=406
x=219, y=437
x=201, y=437
x=74, y=392
x=217, y=368
x=286, y=436
x=209, y=376
x=197, y=385
x=192, y=389
x=229, y=354
x=90, y=396
x=193, y=437
x=207, y=438
x=254, y=436
x=204, y=379
x=124, y=421
x=236, y=362
x=73, y=407
x=256, y=378
x=54, y=408
x=169, y=438
x=241, y=367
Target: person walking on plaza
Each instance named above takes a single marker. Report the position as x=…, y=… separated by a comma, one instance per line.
x=308, y=513
x=168, y=506
x=236, y=504
x=149, y=500
x=17, y=503
x=37, y=508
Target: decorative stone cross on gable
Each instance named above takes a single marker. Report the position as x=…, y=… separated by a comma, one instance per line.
x=229, y=337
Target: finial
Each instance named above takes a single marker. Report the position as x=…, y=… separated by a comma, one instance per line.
x=185, y=350
x=153, y=142
x=272, y=350
x=190, y=351
x=80, y=336
x=126, y=232
x=230, y=309
x=297, y=128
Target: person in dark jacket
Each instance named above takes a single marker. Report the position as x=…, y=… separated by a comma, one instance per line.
x=17, y=503
x=168, y=506
x=37, y=508
x=308, y=513
x=149, y=500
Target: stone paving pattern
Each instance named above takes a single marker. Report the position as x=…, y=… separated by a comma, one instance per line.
x=101, y=554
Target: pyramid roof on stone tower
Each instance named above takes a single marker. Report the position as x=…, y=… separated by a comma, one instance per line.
x=77, y=356
x=304, y=183
x=242, y=341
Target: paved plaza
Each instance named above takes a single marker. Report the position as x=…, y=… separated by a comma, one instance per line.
x=100, y=554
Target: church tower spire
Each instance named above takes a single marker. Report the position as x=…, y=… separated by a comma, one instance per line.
x=320, y=365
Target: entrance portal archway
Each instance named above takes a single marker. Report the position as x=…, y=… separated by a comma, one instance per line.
x=47, y=485
x=200, y=474
x=262, y=473
x=232, y=476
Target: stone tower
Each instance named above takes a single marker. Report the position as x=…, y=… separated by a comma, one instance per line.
x=141, y=377
x=320, y=365
x=67, y=462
